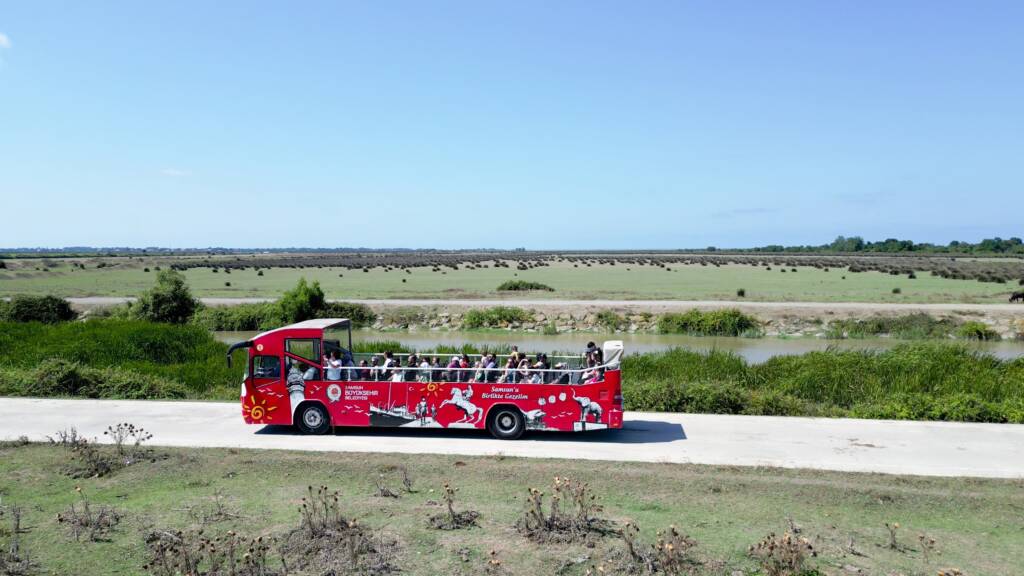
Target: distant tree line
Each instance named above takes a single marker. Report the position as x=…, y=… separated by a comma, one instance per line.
x=848, y=244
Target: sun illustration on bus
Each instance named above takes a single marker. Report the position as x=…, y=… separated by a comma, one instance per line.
x=257, y=412
x=431, y=389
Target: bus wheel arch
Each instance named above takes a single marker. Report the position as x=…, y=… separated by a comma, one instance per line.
x=506, y=421
x=312, y=417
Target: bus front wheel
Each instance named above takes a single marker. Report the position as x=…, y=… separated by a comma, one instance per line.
x=312, y=418
x=507, y=423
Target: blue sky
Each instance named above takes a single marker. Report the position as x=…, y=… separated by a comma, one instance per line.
x=538, y=124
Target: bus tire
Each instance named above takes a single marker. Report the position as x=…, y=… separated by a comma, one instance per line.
x=506, y=423
x=312, y=418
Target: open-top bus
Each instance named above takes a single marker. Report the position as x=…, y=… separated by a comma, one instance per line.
x=292, y=379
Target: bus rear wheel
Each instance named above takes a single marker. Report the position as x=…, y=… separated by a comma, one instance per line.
x=507, y=423
x=312, y=418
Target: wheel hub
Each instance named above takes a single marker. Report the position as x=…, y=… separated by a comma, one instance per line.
x=312, y=418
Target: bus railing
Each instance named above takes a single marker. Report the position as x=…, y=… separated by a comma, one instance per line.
x=561, y=373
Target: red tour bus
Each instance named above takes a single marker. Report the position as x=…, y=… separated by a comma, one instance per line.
x=304, y=375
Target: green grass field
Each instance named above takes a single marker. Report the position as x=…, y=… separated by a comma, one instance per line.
x=977, y=524
x=692, y=282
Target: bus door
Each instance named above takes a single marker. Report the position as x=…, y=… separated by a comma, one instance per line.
x=266, y=396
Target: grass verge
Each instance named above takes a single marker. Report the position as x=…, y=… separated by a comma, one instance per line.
x=975, y=524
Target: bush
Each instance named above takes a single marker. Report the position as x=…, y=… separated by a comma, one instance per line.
x=360, y=314
x=741, y=293
x=975, y=330
x=46, y=309
x=725, y=322
x=610, y=321
x=169, y=301
x=521, y=285
x=908, y=326
x=496, y=317
x=302, y=302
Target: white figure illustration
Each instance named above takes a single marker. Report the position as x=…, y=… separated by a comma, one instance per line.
x=534, y=419
x=587, y=407
x=461, y=400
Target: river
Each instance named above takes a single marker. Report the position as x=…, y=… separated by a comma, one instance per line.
x=754, y=350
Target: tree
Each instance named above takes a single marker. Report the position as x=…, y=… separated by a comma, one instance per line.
x=303, y=302
x=169, y=301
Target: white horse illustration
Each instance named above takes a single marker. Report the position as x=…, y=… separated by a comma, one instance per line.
x=473, y=412
x=587, y=406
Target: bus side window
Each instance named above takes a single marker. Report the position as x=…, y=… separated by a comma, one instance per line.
x=266, y=367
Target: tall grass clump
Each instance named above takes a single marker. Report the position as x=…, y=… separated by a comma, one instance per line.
x=495, y=317
x=523, y=285
x=921, y=381
x=188, y=355
x=975, y=330
x=917, y=326
x=724, y=322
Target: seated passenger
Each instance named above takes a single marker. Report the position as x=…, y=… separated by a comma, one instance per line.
x=435, y=369
x=364, y=371
x=466, y=373
x=424, y=373
x=592, y=373
x=333, y=366
x=490, y=367
x=452, y=375
x=563, y=377
x=375, y=371
x=509, y=373
x=413, y=368
x=523, y=370
x=389, y=366
x=540, y=374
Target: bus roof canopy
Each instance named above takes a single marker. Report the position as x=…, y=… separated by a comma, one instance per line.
x=314, y=324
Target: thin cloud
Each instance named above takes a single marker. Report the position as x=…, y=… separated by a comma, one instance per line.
x=5, y=41
x=174, y=172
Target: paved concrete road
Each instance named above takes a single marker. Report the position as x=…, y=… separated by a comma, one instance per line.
x=920, y=448
x=638, y=304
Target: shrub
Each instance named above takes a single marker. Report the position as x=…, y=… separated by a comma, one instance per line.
x=741, y=293
x=908, y=326
x=521, y=285
x=496, y=317
x=169, y=301
x=302, y=302
x=725, y=322
x=360, y=314
x=610, y=321
x=46, y=309
x=975, y=330
x=897, y=291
